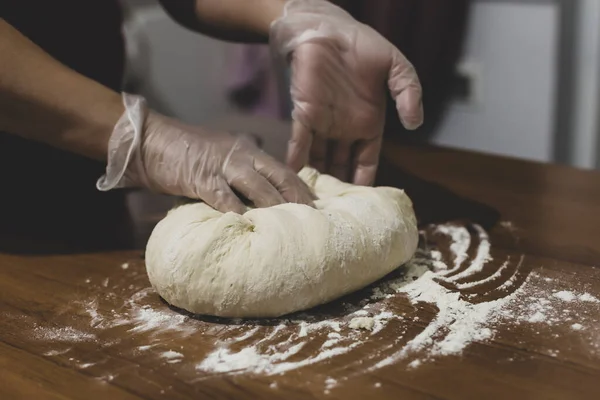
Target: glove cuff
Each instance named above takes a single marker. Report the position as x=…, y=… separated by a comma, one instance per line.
x=124, y=144
x=309, y=21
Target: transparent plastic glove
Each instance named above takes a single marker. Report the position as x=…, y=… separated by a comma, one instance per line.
x=341, y=70
x=150, y=150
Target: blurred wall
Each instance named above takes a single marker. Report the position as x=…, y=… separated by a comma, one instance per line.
x=510, y=63
x=584, y=149
x=534, y=66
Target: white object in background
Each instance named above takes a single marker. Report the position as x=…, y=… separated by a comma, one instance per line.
x=586, y=73
x=514, y=44
x=471, y=71
x=180, y=72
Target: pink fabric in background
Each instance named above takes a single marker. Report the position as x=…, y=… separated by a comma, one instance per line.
x=253, y=83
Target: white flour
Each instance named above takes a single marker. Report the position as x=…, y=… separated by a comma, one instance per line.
x=565, y=295
x=64, y=334
x=279, y=346
x=554, y=308
x=588, y=297
x=461, y=240
x=172, y=356
x=481, y=257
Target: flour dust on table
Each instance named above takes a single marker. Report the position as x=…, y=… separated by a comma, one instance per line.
x=456, y=292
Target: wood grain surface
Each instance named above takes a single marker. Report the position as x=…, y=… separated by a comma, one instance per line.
x=88, y=326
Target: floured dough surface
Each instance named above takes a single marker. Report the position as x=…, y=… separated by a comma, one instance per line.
x=278, y=260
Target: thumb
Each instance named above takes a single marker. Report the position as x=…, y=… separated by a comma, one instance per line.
x=406, y=90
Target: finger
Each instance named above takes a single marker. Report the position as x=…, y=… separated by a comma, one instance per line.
x=299, y=147
x=341, y=160
x=410, y=108
x=256, y=188
x=366, y=161
x=316, y=85
x=223, y=199
x=406, y=90
x=318, y=154
x=290, y=186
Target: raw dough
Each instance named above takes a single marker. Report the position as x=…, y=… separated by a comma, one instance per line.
x=278, y=260
x=362, y=323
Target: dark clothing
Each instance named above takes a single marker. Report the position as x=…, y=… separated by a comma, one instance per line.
x=49, y=193
x=430, y=33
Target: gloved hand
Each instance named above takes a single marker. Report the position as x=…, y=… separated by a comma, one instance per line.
x=340, y=70
x=150, y=150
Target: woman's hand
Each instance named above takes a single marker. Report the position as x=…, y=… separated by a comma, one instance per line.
x=150, y=150
x=341, y=70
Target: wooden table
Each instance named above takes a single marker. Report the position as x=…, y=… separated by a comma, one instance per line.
x=88, y=326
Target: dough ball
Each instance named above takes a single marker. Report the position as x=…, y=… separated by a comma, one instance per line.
x=274, y=261
x=362, y=323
